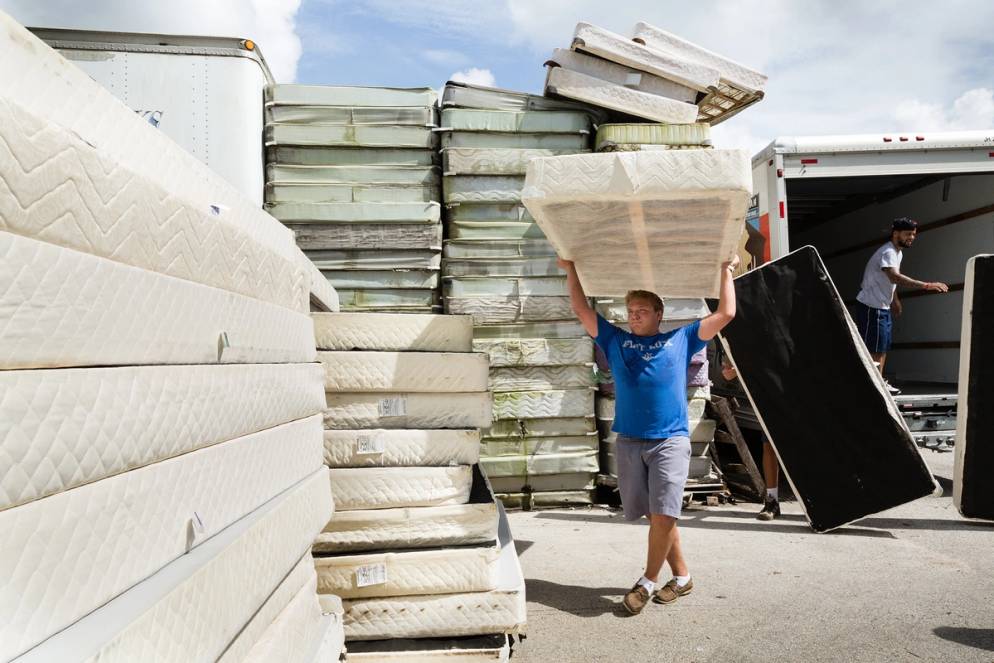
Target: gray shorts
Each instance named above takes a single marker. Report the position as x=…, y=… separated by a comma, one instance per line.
x=652, y=475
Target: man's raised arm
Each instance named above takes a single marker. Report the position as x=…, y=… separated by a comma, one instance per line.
x=714, y=323
x=578, y=300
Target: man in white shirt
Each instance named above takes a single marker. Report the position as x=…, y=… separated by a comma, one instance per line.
x=877, y=297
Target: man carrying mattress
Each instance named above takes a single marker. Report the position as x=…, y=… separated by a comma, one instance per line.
x=653, y=448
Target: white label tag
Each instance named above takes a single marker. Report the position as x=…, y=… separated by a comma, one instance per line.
x=633, y=80
x=393, y=407
x=371, y=574
x=370, y=444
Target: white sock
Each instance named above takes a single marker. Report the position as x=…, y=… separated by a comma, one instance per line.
x=773, y=492
x=648, y=584
x=681, y=580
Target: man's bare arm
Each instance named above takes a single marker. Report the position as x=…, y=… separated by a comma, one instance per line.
x=895, y=306
x=578, y=300
x=899, y=279
x=714, y=323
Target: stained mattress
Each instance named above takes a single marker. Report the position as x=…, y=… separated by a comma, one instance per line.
x=501, y=610
x=536, y=446
x=415, y=527
x=347, y=279
x=415, y=372
x=414, y=116
x=568, y=482
x=349, y=135
x=66, y=308
x=193, y=607
x=502, y=267
x=492, y=161
x=616, y=74
x=509, y=248
x=556, y=427
x=317, y=236
x=356, y=212
x=577, y=142
x=575, y=85
x=539, y=378
x=313, y=155
x=536, y=351
x=681, y=211
x=348, y=95
x=465, y=95
x=973, y=493
x=470, y=649
x=383, y=259
x=544, y=404
x=421, y=300
x=482, y=188
x=506, y=309
x=64, y=428
x=493, y=230
x=620, y=137
x=841, y=468
x=384, y=331
x=393, y=487
x=397, y=448
x=498, y=121
x=410, y=175
x=348, y=192
x=530, y=466
x=548, y=330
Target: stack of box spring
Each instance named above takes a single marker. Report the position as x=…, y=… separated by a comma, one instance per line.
x=352, y=170
x=415, y=550
x=499, y=268
x=162, y=477
x=654, y=75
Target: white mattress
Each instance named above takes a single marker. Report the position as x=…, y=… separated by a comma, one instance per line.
x=66, y=308
x=546, y=286
x=558, y=329
x=482, y=188
x=324, y=297
x=342, y=156
x=415, y=116
x=404, y=371
x=398, y=448
x=356, y=212
x=544, y=404
x=615, y=48
x=392, y=487
x=504, y=309
x=338, y=192
x=517, y=141
x=135, y=523
x=506, y=121
x=574, y=85
x=536, y=351
x=541, y=463
x=557, y=427
x=662, y=221
x=348, y=135
x=612, y=72
x=396, y=332
x=317, y=175
x=58, y=189
x=63, y=428
x=501, y=610
x=466, y=95
x=539, y=378
x=409, y=572
x=297, y=633
x=492, y=161
x=349, y=95
x=615, y=310
x=196, y=605
x=501, y=267
x=494, y=248
x=368, y=236
x=408, y=410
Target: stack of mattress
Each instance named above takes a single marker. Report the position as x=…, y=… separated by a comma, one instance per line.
x=654, y=75
x=703, y=476
x=162, y=478
x=417, y=549
x=352, y=170
x=499, y=268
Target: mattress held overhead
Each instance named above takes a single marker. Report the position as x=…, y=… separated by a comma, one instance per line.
x=393, y=487
x=393, y=332
x=396, y=448
x=404, y=371
x=660, y=221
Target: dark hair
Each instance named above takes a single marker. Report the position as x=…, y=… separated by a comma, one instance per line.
x=646, y=296
x=903, y=223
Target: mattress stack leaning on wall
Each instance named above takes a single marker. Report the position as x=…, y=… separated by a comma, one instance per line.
x=499, y=268
x=418, y=549
x=161, y=405
x=352, y=170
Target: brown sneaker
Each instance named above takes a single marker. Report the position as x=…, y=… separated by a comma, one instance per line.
x=771, y=509
x=636, y=599
x=670, y=592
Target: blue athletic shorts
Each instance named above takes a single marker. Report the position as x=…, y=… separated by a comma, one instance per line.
x=874, y=326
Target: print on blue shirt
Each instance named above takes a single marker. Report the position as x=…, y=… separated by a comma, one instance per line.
x=650, y=378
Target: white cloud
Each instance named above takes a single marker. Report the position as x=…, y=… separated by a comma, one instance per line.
x=445, y=57
x=475, y=76
x=270, y=23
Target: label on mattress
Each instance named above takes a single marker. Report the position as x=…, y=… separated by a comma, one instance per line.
x=371, y=574
x=372, y=444
x=395, y=406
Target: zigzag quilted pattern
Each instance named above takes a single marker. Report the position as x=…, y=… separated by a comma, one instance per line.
x=400, y=448
x=482, y=188
x=420, y=527
x=539, y=378
x=536, y=351
x=295, y=634
x=58, y=189
x=131, y=525
x=60, y=307
x=390, y=487
x=575, y=85
x=68, y=427
x=404, y=371
x=380, y=331
x=466, y=410
x=498, y=309
x=544, y=404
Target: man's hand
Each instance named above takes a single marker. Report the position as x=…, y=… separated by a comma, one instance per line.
x=564, y=264
x=731, y=264
x=935, y=286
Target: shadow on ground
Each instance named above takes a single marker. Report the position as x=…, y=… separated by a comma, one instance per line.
x=978, y=638
x=576, y=600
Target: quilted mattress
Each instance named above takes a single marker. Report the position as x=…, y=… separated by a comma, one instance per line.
x=404, y=371
x=616, y=74
x=385, y=331
x=620, y=137
x=501, y=610
x=356, y=212
x=502, y=310
x=66, y=308
x=509, y=248
x=409, y=572
x=521, y=428
x=539, y=378
x=681, y=211
x=312, y=155
x=193, y=607
x=347, y=192
x=297, y=632
x=348, y=95
x=64, y=428
x=411, y=175
x=358, y=135
x=392, y=487
x=501, y=267
x=491, y=161
x=544, y=404
x=311, y=236
x=532, y=446
x=536, y=351
x=576, y=142
x=674, y=310
x=415, y=116
x=973, y=493
x=324, y=297
x=482, y=188
x=465, y=95
x=548, y=330
x=471, y=649
x=415, y=527
x=56, y=188
x=393, y=448
x=498, y=121
x=526, y=467
x=574, y=85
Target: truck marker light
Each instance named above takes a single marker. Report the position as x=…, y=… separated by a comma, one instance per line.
x=888, y=139
x=919, y=137
x=249, y=45
x=779, y=172
x=781, y=209
x=808, y=161
x=903, y=139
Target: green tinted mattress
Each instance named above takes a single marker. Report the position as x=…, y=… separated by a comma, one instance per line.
x=349, y=95
x=349, y=135
x=356, y=212
x=389, y=116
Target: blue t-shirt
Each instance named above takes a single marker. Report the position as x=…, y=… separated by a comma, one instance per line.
x=650, y=378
